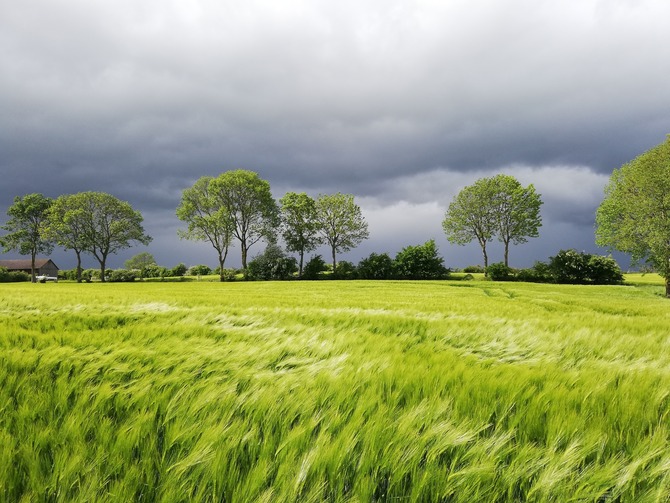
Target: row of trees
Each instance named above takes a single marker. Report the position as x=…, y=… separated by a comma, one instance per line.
x=238, y=205
x=494, y=207
x=88, y=222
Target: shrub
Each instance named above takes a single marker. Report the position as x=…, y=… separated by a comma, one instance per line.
x=155, y=271
x=571, y=266
x=345, y=270
x=604, y=270
x=121, y=276
x=376, y=266
x=273, y=263
x=314, y=267
x=539, y=273
x=178, y=270
x=13, y=276
x=420, y=262
x=499, y=272
x=474, y=269
x=199, y=270
x=228, y=274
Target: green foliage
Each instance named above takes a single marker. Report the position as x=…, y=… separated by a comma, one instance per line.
x=155, y=271
x=246, y=200
x=497, y=206
x=345, y=270
x=300, y=229
x=420, y=262
x=499, y=272
x=140, y=261
x=26, y=218
x=13, y=276
x=539, y=273
x=179, y=270
x=121, y=276
x=226, y=274
x=341, y=223
x=634, y=217
x=199, y=270
x=571, y=266
x=474, y=269
x=207, y=218
x=272, y=264
x=334, y=391
x=314, y=267
x=376, y=266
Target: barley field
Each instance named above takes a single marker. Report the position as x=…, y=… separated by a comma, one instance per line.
x=449, y=391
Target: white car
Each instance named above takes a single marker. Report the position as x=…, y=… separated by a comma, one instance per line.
x=44, y=279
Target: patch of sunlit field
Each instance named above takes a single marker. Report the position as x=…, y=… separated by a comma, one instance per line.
x=334, y=391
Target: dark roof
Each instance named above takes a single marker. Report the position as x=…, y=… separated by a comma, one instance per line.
x=22, y=263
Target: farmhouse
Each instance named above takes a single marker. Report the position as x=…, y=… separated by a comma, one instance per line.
x=43, y=266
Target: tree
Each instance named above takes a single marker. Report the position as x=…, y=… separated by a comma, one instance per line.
x=27, y=216
x=140, y=261
x=420, y=262
x=299, y=225
x=470, y=216
x=110, y=225
x=248, y=203
x=517, y=211
x=340, y=223
x=207, y=219
x=634, y=217
x=65, y=225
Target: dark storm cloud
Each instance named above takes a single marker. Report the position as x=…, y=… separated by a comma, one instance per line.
x=399, y=102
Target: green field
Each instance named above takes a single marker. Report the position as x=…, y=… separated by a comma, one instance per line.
x=460, y=391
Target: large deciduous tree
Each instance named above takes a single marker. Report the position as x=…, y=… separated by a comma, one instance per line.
x=26, y=217
x=207, y=219
x=470, y=216
x=66, y=224
x=110, y=225
x=341, y=223
x=299, y=225
x=517, y=211
x=497, y=206
x=634, y=217
x=248, y=202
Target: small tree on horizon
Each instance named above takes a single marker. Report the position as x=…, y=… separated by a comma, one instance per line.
x=299, y=225
x=27, y=217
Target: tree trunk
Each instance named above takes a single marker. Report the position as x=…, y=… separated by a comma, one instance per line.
x=78, y=266
x=221, y=261
x=506, y=253
x=243, y=245
x=334, y=261
x=667, y=287
x=486, y=260
x=302, y=255
x=32, y=268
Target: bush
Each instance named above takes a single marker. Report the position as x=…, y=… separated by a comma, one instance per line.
x=272, y=264
x=228, y=274
x=571, y=266
x=376, y=266
x=420, y=262
x=178, y=271
x=474, y=269
x=345, y=270
x=155, y=271
x=13, y=276
x=200, y=270
x=604, y=270
x=499, y=272
x=121, y=276
x=314, y=267
x=539, y=273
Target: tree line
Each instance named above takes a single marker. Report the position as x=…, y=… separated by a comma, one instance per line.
x=237, y=205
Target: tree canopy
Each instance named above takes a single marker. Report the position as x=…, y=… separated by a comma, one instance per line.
x=300, y=229
x=206, y=218
x=497, y=206
x=27, y=216
x=247, y=201
x=340, y=223
x=634, y=217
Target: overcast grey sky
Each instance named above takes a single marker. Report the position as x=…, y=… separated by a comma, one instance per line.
x=401, y=103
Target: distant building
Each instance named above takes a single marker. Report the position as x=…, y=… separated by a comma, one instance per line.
x=43, y=266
